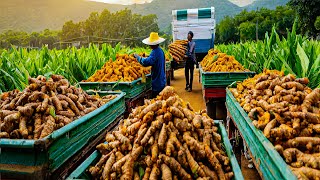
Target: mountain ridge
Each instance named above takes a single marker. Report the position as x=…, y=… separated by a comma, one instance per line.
x=37, y=15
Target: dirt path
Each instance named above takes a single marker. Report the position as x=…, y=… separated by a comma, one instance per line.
x=195, y=97
x=248, y=173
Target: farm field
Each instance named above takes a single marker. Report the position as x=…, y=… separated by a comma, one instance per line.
x=98, y=99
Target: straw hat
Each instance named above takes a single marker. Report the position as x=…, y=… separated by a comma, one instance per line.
x=153, y=39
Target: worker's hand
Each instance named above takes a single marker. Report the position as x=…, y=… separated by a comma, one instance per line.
x=137, y=57
x=185, y=57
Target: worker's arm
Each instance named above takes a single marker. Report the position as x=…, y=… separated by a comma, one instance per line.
x=149, y=61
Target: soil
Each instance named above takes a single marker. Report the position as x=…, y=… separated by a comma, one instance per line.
x=248, y=173
x=194, y=97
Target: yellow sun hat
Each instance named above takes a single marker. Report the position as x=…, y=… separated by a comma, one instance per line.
x=153, y=39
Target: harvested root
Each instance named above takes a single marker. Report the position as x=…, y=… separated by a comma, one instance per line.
x=306, y=173
x=308, y=160
x=170, y=144
x=44, y=105
x=287, y=111
x=166, y=172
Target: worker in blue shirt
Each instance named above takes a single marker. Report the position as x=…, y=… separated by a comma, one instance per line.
x=157, y=60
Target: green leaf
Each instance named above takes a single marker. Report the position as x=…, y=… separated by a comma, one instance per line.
x=304, y=60
x=13, y=80
x=315, y=66
x=52, y=111
x=115, y=85
x=215, y=58
x=141, y=172
x=48, y=74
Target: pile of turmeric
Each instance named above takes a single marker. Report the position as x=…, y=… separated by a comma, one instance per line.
x=288, y=113
x=43, y=106
x=178, y=49
x=125, y=68
x=163, y=139
x=215, y=61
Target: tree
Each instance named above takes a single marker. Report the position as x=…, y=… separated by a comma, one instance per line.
x=34, y=39
x=227, y=31
x=48, y=37
x=317, y=23
x=70, y=30
x=17, y=38
x=284, y=17
x=243, y=25
x=91, y=25
x=104, y=23
x=167, y=36
x=247, y=31
x=308, y=11
x=123, y=26
x=264, y=26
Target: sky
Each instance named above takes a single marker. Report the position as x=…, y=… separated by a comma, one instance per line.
x=242, y=3
x=124, y=2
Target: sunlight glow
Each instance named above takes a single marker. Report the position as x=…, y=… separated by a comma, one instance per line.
x=123, y=2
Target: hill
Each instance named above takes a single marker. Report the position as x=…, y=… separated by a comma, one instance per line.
x=36, y=15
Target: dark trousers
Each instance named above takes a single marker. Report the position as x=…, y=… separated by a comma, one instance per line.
x=155, y=94
x=188, y=70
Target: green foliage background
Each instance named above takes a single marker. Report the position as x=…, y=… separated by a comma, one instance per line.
x=121, y=26
x=295, y=54
x=244, y=26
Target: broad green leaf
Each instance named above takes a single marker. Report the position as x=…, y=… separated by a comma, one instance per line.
x=315, y=65
x=304, y=60
x=13, y=80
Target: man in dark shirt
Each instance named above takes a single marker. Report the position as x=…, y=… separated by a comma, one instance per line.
x=190, y=62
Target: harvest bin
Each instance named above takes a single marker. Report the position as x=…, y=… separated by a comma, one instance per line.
x=222, y=79
x=39, y=159
x=214, y=92
x=132, y=89
x=82, y=173
x=267, y=160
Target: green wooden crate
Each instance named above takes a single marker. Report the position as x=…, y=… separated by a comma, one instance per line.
x=271, y=165
x=82, y=173
x=39, y=158
x=132, y=89
x=234, y=163
x=222, y=79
